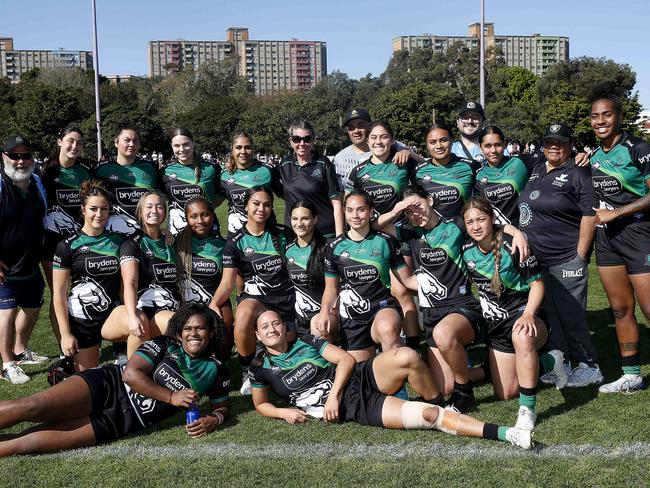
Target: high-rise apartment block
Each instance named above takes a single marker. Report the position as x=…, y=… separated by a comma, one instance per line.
x=14, y=62
x=269, y=66
x=536, y=53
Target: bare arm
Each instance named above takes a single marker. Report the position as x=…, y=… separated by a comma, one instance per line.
x=344, y=367
x=642, y=204
x=264, y=407
x=130, y=277
x=525, y=324
x=587, y=233
x=224, y=289
x=328, y=302
x=60, y=284
x=337, y=208
x=407, y=278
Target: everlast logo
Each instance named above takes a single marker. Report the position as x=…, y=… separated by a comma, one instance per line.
x=170, y=378
x=270, y=265
x=185, y=192
x=607, y=185
x=380, y=192
x=362, y=273
x=204, y=267
x=164, y=272
x=68, y=198
x=433, y=257
x=298, y=376
x=446, y=195
x=572, y=273
x=129, y=196
x=102, y=265
x=497, y=192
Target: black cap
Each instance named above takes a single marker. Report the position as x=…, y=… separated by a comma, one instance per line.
x=357, y=113
x=471, y=107
x=559, y=132
x=15, y=141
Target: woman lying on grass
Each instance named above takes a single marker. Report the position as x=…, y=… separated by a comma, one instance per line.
x=325, y=382
x=102, y=404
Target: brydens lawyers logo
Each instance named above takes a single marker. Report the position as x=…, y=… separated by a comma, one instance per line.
x=555, y=128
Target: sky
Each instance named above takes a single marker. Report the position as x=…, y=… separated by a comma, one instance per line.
x=358, y=33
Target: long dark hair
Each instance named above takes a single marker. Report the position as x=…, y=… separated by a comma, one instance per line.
x=196, y=159
x=53, y=158
x=271, y=225
x=316, y=263
x=215, y=324
x=439, y=124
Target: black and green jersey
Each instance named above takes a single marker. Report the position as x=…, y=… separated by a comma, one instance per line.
x=63, y=198
x=174, y=369
x=308, y=297
x=207, y=268
x=364, y=270
x=620, y=175
x=515, y=278
x=260, y=259
x=179, y=182
x=156, y=271
x=235, y=185
x=301, y=376
x=384, y=182
x=449, y=184
x=94, y=264
x=438, y=263
x=126, y=184
x=501, y=186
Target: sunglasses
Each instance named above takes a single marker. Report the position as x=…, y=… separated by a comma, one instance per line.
x=305, y=139
x=18, y=156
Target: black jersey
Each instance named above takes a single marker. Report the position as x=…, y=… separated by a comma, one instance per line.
x=174, y=369
x=315, y=181
x=260, y=259
x=308, y=296
x=126, y=184
x=450, y=184
x=235, y=185
x=95, y=278
x=179, y=182
x=207, y=268
x=438, y=263
x=620, y=175
x=156, y=271
x=21, y=227
x=515, y=277
x=63, y=198
x=551, y=208
x=300, y=376
x=364, y=270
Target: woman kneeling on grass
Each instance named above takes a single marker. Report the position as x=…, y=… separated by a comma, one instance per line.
x=325, y=382
x=100, y=405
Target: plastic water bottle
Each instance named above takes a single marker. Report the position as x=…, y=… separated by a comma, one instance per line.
x=193, y=413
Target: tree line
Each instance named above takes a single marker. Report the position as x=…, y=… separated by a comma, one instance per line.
x=214, y=102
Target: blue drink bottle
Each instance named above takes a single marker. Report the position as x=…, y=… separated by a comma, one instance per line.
x=193, y=413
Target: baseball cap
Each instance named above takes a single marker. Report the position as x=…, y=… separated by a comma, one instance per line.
x=560, y=132
x=15, y=141
x=357, y=113
x=471, y=107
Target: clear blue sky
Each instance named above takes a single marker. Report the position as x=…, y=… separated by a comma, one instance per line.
x=358, y=32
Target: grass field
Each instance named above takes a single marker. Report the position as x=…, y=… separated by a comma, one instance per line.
x=583, y=440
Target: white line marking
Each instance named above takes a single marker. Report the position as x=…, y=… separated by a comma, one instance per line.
x=638, y=450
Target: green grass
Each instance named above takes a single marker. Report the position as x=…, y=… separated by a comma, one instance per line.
x=569, y=419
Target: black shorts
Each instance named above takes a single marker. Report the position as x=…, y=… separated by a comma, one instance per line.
x=362, y=401
x=470, y=309
x=112, y=415
x=355, y=334
x=303, y=324
x=498, y=335
x=89, y=332
x=625, y=243
x=283, y=304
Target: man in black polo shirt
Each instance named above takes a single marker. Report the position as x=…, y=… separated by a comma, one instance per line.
x=22, y=208
x=557, y=214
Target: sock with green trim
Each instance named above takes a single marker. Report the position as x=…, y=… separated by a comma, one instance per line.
x=527, y=397
x=632, y=365
x=494, y=432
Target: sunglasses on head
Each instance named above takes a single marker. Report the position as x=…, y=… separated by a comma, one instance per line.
x=305, y=139
x=14, y=156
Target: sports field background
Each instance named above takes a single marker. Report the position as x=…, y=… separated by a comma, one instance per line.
x=584, y=439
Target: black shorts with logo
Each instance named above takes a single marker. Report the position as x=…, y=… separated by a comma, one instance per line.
x=498, y=335
x=470, y=309
x=362, y=401
x=355, y=335
x=112, y=415
x=625, y=242
x=89, y=332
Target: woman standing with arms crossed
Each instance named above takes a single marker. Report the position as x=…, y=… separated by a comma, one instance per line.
x=621, y=176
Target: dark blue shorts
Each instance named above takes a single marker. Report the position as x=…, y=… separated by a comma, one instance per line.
x=23, y=293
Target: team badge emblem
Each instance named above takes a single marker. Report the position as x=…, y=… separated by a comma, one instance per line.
x=248, y=251
x=555, y=128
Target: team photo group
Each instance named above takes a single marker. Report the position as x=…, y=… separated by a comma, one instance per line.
x=358, y=304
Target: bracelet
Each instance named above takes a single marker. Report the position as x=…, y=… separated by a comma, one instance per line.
x=221, y=416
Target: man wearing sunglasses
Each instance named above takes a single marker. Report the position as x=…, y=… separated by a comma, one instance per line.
x=22, y=210
x=470, y=122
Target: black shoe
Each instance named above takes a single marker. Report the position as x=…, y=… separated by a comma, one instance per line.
x=461, y=401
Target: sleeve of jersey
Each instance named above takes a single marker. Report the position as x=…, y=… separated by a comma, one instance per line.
x=63, y=256
x=404, y=237
x=396, y=258
x=256, y=374
x=220, y=387
x=153, y=351
x=586, y=193
x=317, y=343
x=331, y=179
x=351, y=184
x=231, y=255
x=641, y=155
x=328, y=259
x=129, y=251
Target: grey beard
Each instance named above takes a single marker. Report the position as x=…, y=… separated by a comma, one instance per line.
x=19, y=175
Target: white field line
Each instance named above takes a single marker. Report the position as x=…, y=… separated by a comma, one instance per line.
x=637, y=450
